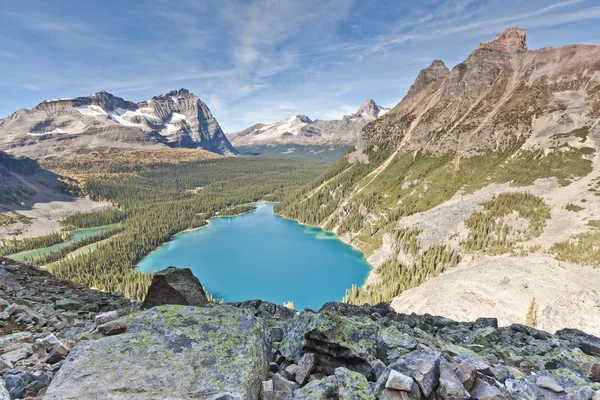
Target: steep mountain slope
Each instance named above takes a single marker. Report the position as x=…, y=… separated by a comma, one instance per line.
x=496, y=157
x=300, y=129
x=76, y=126
x=33, y=199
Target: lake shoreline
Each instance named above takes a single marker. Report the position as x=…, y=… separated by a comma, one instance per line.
x=281, y=253
x=206, y=225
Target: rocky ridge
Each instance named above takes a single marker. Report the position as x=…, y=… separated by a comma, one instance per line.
x=68, y=127
x=500, y=95
x=300, y=129
x=259, y=350
x=507, y=121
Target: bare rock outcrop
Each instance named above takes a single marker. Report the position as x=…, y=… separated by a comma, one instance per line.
x=175, y=286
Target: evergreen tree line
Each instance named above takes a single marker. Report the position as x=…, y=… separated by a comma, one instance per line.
x=63, y=251
x=13, y=246
x=488, y=230
x=396, y=276
x=89, y=220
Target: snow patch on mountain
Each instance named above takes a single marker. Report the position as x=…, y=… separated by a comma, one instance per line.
x=300, y=129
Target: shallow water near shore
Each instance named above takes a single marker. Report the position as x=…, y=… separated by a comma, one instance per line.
x=259, y=255
x=78, y=235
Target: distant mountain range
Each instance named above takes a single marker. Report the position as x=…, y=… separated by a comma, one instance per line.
x=300, y=129
x=81, y=125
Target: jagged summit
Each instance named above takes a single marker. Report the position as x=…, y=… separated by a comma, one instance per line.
x=175, y=93
x=177, y=118
x=300, y=129
x=370, y=110
x=511, y=40
x=436, y=72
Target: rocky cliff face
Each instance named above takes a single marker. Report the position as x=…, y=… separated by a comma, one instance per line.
x=65, y=342
x=500, y=96
x=302, y=130
x=418, y=194
x=84, y=124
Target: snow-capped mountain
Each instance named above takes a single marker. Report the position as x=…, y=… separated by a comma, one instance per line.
x=74, y=126
x=300, y=129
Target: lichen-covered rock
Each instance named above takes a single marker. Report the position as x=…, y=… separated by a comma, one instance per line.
x=170, y=352
x=352, y=385
x=175, y=286
x=335, y=337
x=521, y=389
x=392, y=344
x=17, y=382
x=264, y=309
x=423, y=366
x=450, y=387
x=318, y=390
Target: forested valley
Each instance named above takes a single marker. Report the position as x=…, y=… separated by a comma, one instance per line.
x=155, y=201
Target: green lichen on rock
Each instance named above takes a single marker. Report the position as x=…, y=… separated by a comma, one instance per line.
x=171, y=351
x=318, y=390
x=351, y=337
x=352, y=385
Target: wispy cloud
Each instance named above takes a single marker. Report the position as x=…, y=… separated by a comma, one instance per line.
x=258, y=60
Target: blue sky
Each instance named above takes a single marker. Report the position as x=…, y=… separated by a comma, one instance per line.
x=259, y=61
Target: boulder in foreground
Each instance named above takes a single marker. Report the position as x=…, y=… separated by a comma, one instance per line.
x=170, y=352
x=175, y=286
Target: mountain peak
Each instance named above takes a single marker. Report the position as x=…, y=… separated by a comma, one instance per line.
x=370, y=110
x=102, y=94
x=175, y=93
x=436, y=72
x=511, y=40
x=302, y=118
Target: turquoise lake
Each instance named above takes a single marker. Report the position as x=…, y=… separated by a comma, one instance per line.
x=259, y=255
x=78, y=235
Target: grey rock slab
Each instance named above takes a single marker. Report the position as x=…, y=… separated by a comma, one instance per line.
x=275, y=395
x=103, y=318
x=424, y=368
x=4, y=395
x=548, y=383
x=68, y=304
x=291, y=370
x=113, y=327
x=305, y=368
x=283, y=385
x=172, y=352
x=450, y=386
x=18, y=354
x=484, y=391
x=399, y=381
